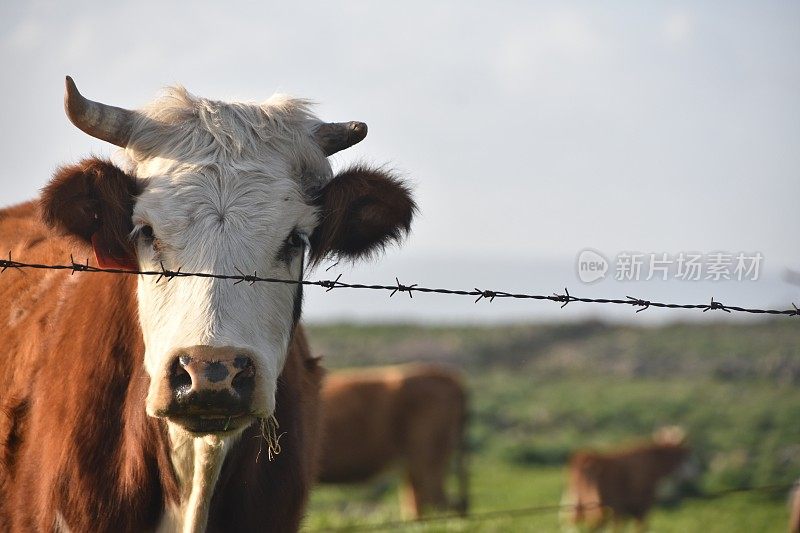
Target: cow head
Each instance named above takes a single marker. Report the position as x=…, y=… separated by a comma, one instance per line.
x=221, y=188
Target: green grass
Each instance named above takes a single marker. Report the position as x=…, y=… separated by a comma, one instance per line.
x=499, y=486
x=738, y=512
x=496, y=486
x=540, y=392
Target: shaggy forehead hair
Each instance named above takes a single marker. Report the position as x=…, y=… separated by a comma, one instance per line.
x=275, y=135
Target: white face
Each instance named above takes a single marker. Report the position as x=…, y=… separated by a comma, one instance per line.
x=223, y=209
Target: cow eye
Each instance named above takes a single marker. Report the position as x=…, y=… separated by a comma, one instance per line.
x=293, y=246
x=146, y=232
x=295, y=239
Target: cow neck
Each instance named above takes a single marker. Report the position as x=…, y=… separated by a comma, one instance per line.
x=197, y=462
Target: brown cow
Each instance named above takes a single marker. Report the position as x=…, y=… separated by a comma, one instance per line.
x=413, y=413
x=620, y=485
x=794, y=508
x=132, y=404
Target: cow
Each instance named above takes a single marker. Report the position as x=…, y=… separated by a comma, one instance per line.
x=794, y=508
x=411, y=414
x=129, y=403
x=616, y=486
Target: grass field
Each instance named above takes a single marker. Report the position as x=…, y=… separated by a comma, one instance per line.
x=499, y=486
x=540, y=392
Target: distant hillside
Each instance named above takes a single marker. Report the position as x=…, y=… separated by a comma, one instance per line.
x=767, y=350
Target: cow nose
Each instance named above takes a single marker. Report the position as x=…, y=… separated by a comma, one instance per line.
x=206, y=380
x=234, y=375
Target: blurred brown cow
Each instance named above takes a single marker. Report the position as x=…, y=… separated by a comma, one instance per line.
x=413, y=414
x=794, y=508
x=620, y=485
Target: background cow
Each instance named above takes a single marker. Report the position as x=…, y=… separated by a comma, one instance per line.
x=412, y=414
x=619, y=485
x=129, y=404
x=794, y=508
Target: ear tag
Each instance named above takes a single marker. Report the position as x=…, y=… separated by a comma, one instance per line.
x=104, y=258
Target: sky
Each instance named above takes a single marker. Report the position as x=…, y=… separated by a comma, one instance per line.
x=531, y=130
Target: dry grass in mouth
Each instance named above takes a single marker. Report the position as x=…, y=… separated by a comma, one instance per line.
x=269, y=432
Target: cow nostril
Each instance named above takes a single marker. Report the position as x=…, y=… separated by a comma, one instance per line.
x=179, y=378
x=244, y=380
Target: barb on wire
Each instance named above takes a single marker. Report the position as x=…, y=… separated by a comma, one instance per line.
x=566, y=298
x=642, y=304
x=713, y=306
x=164, y=273
x=489, y=295
x=403, y=288
x=173, y=275
x=329, y=285
x=8, y=263
x=251, y=279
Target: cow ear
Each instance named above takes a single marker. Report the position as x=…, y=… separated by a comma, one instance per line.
x=93, y=201
x=362, y=209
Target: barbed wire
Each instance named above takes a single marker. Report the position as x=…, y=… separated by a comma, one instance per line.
x=538, y=509
x=397, y=287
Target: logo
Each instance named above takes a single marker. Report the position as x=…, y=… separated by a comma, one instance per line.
x=591, y=266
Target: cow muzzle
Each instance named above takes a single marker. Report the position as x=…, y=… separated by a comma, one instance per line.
x=209, y=389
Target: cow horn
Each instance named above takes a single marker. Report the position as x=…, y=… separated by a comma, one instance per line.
x=105, y=122
x=333, y=137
